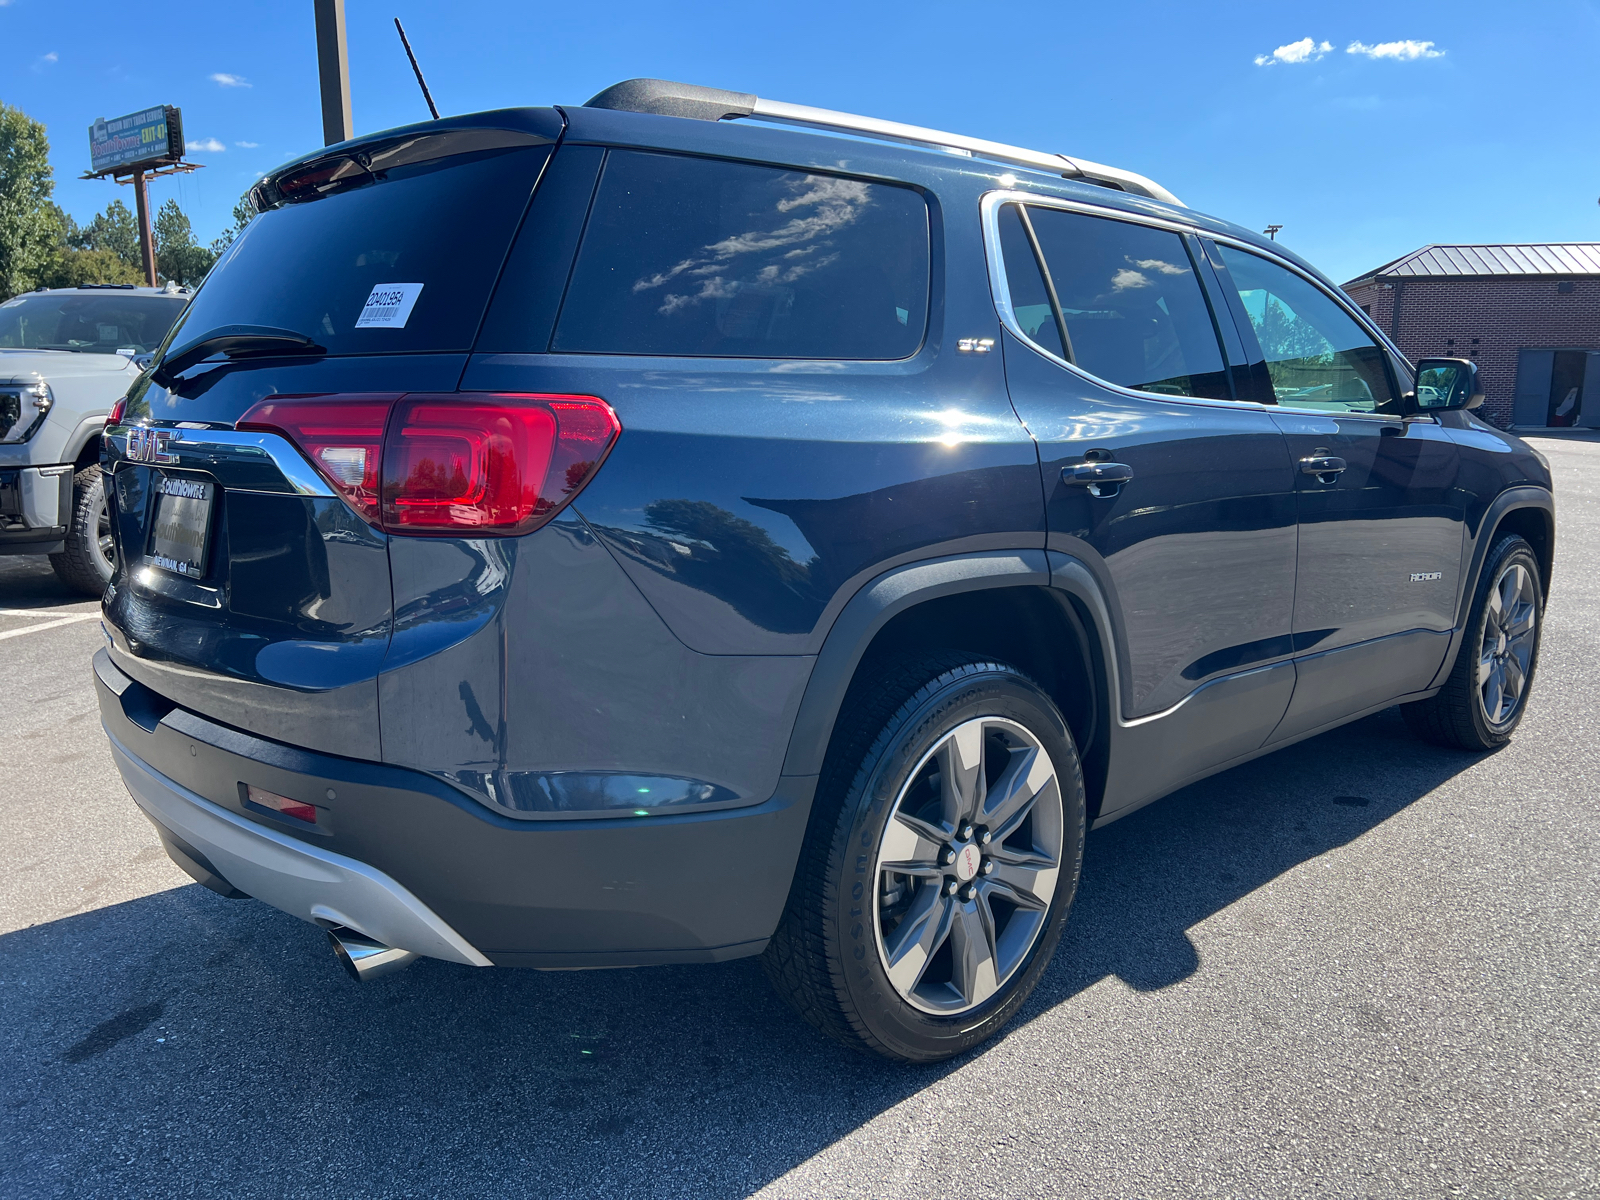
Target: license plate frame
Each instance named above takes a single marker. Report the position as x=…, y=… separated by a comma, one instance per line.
x=181, y=512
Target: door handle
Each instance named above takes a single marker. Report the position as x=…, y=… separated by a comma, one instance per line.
x=1101, y=478
x=1325, y=467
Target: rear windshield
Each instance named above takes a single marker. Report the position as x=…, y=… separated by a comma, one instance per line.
x=697, y=256
x=89, y=324
x=397, y=260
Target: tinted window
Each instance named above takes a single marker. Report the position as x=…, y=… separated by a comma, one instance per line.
x=1030, y=301
x=97, y=323
x=1316, y=353
x=699, y=257
x=312, y=264
x=1134, y=311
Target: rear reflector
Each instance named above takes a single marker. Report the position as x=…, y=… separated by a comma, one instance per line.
x=297, y=809
x=478, y=462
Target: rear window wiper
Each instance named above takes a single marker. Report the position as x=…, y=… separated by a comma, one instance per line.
x=236, y=341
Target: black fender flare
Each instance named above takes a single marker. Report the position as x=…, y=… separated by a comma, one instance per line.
x=874, y=606
x=1526, y=496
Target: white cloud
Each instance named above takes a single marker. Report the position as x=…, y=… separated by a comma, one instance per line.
x=247, y=145
x=51, y=57
x=223, y=79
x=1305, y=50
x=208, y=145
x=1405, y=51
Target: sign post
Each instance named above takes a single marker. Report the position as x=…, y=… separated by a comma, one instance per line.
x=135, y=149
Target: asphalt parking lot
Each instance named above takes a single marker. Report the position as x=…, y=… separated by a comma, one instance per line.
x=1360, y=967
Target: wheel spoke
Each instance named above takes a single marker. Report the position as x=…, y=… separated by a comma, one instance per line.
x=1014, y=792
x=960, y=759
x=1485, y=664
x=1494, y=693
x=914, y=942
x=1514, y=677
x=973, y=953
x=911, y=846
x=1023, y=887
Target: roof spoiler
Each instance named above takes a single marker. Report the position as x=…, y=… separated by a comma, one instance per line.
x=665, y=98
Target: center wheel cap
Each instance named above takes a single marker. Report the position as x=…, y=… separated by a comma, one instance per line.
x=968, y=859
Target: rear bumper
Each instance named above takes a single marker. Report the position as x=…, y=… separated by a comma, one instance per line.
x=304, y=881
x=410, y=861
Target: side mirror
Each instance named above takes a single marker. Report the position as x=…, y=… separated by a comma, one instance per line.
x=1444, y=384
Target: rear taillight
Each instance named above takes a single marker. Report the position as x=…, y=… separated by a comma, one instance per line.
x=465, y=462
x=117, y=409
x=341, y=435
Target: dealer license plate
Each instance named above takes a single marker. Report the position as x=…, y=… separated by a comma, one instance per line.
x=182, y=525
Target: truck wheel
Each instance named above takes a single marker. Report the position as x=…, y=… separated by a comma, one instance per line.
x=1484, y=698
x=85, y=564
x=939, y=863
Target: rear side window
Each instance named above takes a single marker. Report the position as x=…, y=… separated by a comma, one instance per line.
x=395, y=259
x=695, y=256
x=1130, y=302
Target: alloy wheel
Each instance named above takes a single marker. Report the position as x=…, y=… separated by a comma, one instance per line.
x=102, y=529
x=968, y=865
x=1505, y=658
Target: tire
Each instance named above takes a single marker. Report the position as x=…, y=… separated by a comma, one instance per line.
x=85, y=564
x=1483, y=700
x=892, y=963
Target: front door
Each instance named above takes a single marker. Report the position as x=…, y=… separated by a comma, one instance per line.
x=1379, y=512
x=1197, y=548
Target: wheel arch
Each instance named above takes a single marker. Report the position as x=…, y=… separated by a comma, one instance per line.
x=996, y=604
x=1527, y=511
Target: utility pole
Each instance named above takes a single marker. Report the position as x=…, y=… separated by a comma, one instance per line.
x=333, y=68
x=1272, y=231
x=147, y=248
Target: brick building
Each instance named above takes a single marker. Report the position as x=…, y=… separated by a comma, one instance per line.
x=1528, y=314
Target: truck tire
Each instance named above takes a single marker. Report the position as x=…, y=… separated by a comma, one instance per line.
x=85, y=564
x=939, y=864
x=1483, y=700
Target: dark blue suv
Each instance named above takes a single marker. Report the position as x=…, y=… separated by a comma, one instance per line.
x=688, y=526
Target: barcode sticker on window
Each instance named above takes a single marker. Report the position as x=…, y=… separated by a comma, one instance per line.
x=389, y=306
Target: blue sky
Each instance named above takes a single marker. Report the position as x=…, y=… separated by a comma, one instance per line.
x=1365, y=129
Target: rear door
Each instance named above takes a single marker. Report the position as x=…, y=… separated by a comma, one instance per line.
x=1380, y=515
x=251, y=582
x=1115, y=365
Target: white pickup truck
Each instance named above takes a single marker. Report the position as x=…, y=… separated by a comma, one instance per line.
x=66, y=356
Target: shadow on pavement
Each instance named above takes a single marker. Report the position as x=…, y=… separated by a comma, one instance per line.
x=27, y=581
x=279, y=1076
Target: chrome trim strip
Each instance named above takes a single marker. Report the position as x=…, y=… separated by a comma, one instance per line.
x=214, y=449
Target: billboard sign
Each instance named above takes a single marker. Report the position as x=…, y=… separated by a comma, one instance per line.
x=138, y=139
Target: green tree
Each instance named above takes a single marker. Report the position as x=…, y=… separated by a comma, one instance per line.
x=113, y=231
x=30, y=225
x=73, y=267
x=178, y=257
x=243, y=213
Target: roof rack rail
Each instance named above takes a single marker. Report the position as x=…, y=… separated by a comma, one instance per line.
x=665, y=98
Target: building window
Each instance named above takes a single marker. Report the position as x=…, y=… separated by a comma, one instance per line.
x=1367, y=308
x=1564, y=287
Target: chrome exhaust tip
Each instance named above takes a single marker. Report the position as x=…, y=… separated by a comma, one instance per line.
x=365, y=959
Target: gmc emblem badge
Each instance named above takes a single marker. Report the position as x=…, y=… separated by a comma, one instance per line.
x=149, y=445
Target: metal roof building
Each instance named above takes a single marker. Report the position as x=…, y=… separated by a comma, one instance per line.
x=1527, y=313
x=1561, y=259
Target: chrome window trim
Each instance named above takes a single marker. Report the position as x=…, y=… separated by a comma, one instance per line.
x=989, y=212
x=214, y=450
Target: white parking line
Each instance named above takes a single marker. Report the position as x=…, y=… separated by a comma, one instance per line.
x=11, y=633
